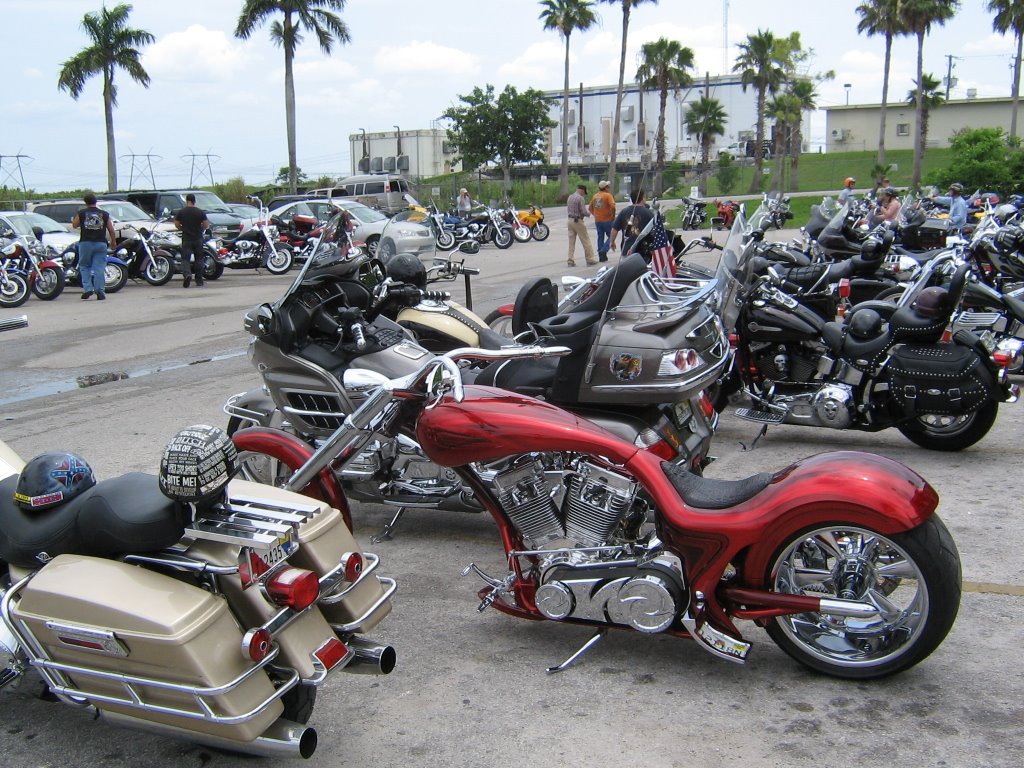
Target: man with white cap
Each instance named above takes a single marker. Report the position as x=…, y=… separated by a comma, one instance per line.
x=602, y=206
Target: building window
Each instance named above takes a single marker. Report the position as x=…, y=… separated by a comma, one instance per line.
x=902, y=129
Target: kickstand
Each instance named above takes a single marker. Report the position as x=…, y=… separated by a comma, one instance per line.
x=385, y=535
x=760, y=434
x=583, y=649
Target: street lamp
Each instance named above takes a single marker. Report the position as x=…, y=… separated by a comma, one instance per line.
x=847, y=86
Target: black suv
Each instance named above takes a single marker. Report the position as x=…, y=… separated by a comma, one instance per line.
x=160, y=202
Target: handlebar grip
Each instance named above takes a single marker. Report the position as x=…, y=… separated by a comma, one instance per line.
x=436, y=295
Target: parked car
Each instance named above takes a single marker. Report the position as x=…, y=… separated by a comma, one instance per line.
x=400, y=237
x=223, y=223
x=32, y=224
x=126, y=216
x=246, y=211
x=384, y=191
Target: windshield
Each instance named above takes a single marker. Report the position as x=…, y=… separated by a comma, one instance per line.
x=333, y=247
x=731, y=273
x=210, y=202
x=22, y=223
x=124, y=211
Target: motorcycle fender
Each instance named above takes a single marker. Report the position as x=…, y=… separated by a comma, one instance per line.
x=116, y=618
x=293, y=453
x=115, y=260
x=49, y=264
x=844, y=486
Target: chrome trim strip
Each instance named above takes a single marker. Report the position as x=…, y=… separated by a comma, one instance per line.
x=390, y=586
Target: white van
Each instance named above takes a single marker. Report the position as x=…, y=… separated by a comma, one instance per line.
x=384, y=191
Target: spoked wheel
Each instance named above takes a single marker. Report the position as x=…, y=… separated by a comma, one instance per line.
x=115, y=277
x=911, y=578
x=940, y=432
x=445, y=240
x=159, y=270
x=540, y=231
x=49, y=284
x=13, y=291
x=371, y=244
x=281, y=260
x=499, y=322
x=503, y=238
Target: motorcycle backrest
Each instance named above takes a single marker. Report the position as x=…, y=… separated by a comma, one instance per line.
x=537, y=300
x=613, y=287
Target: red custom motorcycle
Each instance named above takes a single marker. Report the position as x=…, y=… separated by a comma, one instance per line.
x=839, y=556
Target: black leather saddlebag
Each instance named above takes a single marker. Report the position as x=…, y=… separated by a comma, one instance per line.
x=938, y=379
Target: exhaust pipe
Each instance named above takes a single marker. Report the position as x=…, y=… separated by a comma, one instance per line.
x=371, y=657
x=283, y=737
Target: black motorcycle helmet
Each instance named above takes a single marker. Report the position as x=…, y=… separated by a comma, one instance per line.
x=933, y=303
x=197, y=464
x=865, y=324
x=406, y=268
x=1009, y=239
x=51, y=479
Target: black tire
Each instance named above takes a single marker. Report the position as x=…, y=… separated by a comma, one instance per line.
x=281, y=260
x=386, y=250
x=499, y=322
x=212, y=269
x=49, y=284
x=445, y=240
x=521, y=233
x=15, y=292
x=115, y=277
x=503, y=238
x=298, y=703
x=950, y=433
x=540, y=231
x=371, y=244
x=159, y=270
x=919, y=581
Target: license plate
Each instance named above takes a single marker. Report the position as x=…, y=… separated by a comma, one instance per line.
x=253, y=563
x=681, y=413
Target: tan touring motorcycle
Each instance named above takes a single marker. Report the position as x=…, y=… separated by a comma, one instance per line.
x=214, y=620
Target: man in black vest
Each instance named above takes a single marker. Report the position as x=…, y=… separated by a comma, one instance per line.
x=191, y=220
x=97, y=231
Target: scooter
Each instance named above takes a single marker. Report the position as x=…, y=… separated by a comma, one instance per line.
x=839, y=556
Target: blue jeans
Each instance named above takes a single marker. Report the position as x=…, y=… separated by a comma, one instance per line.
x=604, y=236
x=92, y=265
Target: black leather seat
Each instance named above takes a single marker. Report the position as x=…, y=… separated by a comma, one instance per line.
x=710, y=493
x=122, y=515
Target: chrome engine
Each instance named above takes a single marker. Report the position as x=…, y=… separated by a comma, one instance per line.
x=595, y=556
x=246, y=246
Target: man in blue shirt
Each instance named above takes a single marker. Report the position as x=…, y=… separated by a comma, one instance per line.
x=957, y=206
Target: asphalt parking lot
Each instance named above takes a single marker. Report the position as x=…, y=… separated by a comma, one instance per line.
x=470, y=689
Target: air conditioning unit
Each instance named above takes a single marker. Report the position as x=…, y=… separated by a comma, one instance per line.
x=835, y=133
x=377, y=165
x=402, y=162
x=364, y=165
x=446, y=148
x=572, y=117
x=626, y=114
x=389, y=164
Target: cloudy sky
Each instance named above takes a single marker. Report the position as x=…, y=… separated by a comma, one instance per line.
x=212, y=94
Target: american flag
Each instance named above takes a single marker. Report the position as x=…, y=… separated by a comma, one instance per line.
x=662, y=261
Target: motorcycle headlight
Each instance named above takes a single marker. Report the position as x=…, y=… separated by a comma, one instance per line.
x=679, y=362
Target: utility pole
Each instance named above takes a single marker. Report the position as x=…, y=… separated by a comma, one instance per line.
x=11, y=165
x=145, y=168
x=196, y=172
x=950, y=80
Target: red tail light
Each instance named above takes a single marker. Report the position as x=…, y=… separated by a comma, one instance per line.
x=1002, y=359
x=331, y=653
x=844, y=287
x=353, y=565
x=256, y=644
x=706, y=405
x=295, y=588
x=662, y=450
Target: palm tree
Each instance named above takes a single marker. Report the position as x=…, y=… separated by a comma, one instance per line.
x=113, y=45
x=786, y=109
x=706, y=118
x=918, y=18
x=316, y=16
x=760, y=66
x=881, y=17
x=932, y=97
x=663, y=65
x=627, y=6
x=805, y=93
x=1010, y=16
x=567, y=16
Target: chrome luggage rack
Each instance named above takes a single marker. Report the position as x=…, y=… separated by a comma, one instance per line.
x=249, y=521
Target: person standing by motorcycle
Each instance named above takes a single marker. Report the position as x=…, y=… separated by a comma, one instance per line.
x=846, y=195
x=957, y=206
x=97, y=231
x=191, y=221
x=602, y=205
x=464, y=204
x=576, y=207
x=631, y=220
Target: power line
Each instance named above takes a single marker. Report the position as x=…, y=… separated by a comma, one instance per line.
x=137, y=167
x=196, y=173
x=11, y=164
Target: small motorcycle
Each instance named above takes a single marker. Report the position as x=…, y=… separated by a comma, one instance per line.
x=258, y=248
x=115, y=274
x=839, y=556
x=31, y=259
x=533, y=217
x=694, y=213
